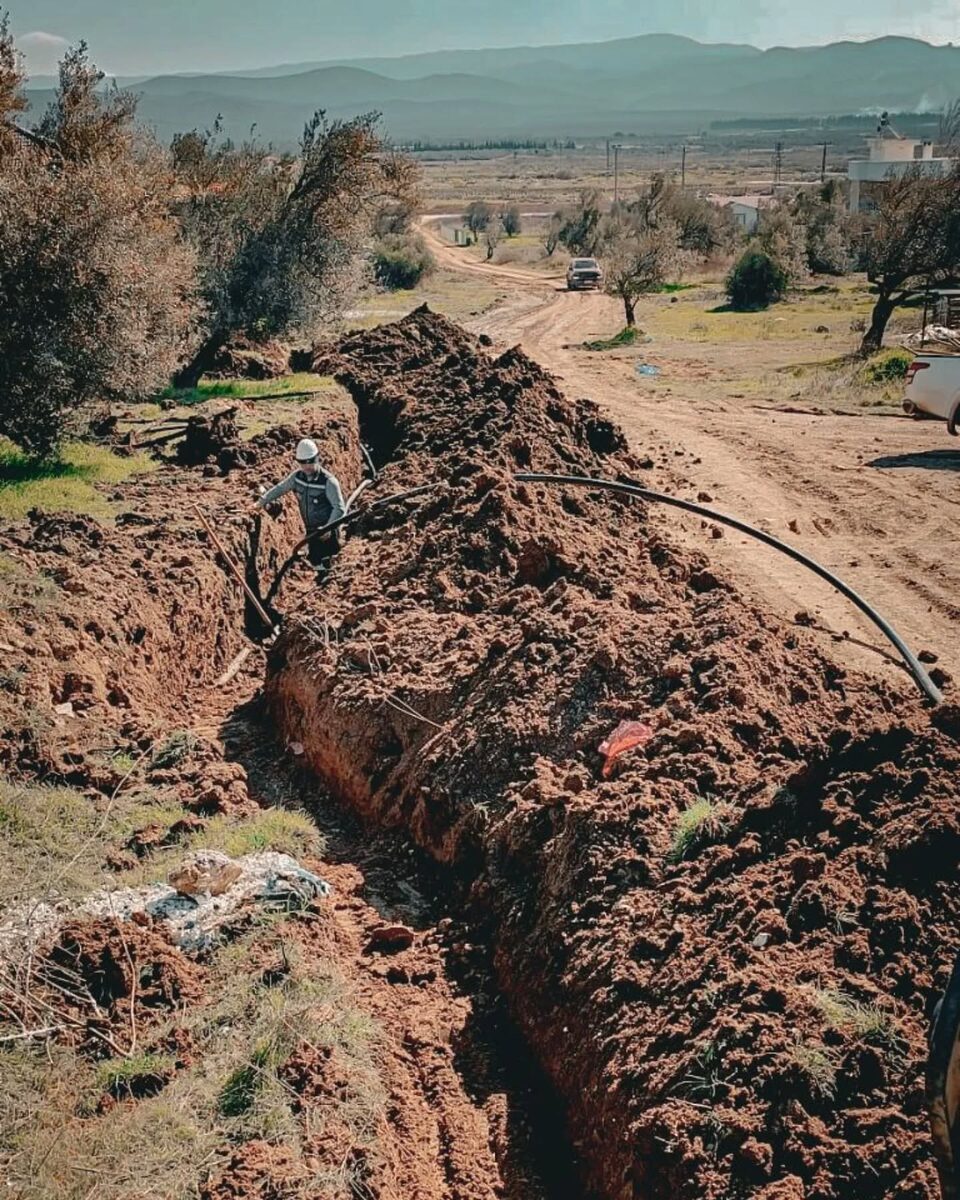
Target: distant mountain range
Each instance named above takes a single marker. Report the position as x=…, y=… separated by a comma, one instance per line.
x=658, y=82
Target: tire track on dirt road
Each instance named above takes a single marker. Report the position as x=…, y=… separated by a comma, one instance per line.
x=869, y=497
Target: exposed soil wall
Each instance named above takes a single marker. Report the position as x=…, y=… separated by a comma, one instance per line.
x=725, y=951
x=124, y=623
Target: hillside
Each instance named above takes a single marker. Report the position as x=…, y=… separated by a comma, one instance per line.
x=656, y=82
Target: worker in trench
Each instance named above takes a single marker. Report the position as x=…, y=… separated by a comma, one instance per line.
x=321, y=502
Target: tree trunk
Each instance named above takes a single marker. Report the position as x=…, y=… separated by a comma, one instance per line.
x=882, y=312
x=191, y=372
x=630, y=309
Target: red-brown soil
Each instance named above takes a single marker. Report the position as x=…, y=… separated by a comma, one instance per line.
x=130, y=627
x=743, y=1013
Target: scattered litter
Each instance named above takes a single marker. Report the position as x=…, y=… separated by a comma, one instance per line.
x=647, y=369
x=295, y=748
x=64, y=710
x=933, y=336
x=626, y=736
x=206, y=895
x=760, y=941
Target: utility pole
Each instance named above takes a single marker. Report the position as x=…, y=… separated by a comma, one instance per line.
x=683, y=168
x=823, y=162
x=608, y=156
x=616, y=173
x=778, y=163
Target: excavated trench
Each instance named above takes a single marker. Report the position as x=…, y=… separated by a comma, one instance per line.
x=525, y=1122
x=687, y=938
x=149, y=620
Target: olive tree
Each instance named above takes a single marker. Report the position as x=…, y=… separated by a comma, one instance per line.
x=580, y=227
x=280, y=239
x=512, y=220
x=478, y=216
x=911, y=241
x=95, y=283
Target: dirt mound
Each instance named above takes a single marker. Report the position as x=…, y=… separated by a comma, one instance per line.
x=106, y=980
x=412, y=380
x=258, y=1171
x=724, y=954
x=244, y=359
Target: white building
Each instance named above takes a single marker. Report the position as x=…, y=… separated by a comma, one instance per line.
x=745, y=210
x=890, y=156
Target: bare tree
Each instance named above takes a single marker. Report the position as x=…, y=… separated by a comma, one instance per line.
x=478, y=216
x=96, y=286
x=551, y=236
x=640, y=259
x=492, y=236
x=912, y=241
x=280, y=240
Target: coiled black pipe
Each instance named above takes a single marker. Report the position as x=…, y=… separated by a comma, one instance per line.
x=913, y=664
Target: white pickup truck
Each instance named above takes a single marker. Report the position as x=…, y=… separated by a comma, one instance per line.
x=933, y=386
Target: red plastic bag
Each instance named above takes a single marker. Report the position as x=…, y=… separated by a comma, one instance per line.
x=626, y=736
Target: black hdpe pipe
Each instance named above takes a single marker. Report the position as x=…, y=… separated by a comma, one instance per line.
x=913, y=664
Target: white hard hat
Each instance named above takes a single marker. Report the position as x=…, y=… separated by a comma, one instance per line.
x=307, y=451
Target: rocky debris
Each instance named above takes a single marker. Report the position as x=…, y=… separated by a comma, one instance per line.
x=389, y=939
x=206, y=437
x=207, y=874
x=206, y=897
x=682, y=929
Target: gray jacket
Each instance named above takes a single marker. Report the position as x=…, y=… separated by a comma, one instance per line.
x=319, y=496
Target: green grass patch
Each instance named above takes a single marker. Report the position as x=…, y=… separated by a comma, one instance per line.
x=304, y=383
x=279, y=829
x=698, y=824
x=628, y=336
x=889, y=366
x=867, y=1021
x=818, y=1064
x=670, y=288
x=53, y=839
x=66, y=484
x=177, y=747
x=244, y=1084
x=138, y=1075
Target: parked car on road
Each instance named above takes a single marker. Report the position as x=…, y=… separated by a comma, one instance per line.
x=584, y=273
x=933, y=387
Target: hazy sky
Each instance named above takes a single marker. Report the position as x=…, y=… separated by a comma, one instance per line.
x=144, y=36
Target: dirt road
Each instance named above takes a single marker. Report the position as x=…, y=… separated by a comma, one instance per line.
x=872, y=497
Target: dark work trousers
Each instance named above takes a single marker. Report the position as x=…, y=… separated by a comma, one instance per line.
x=322, y=547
